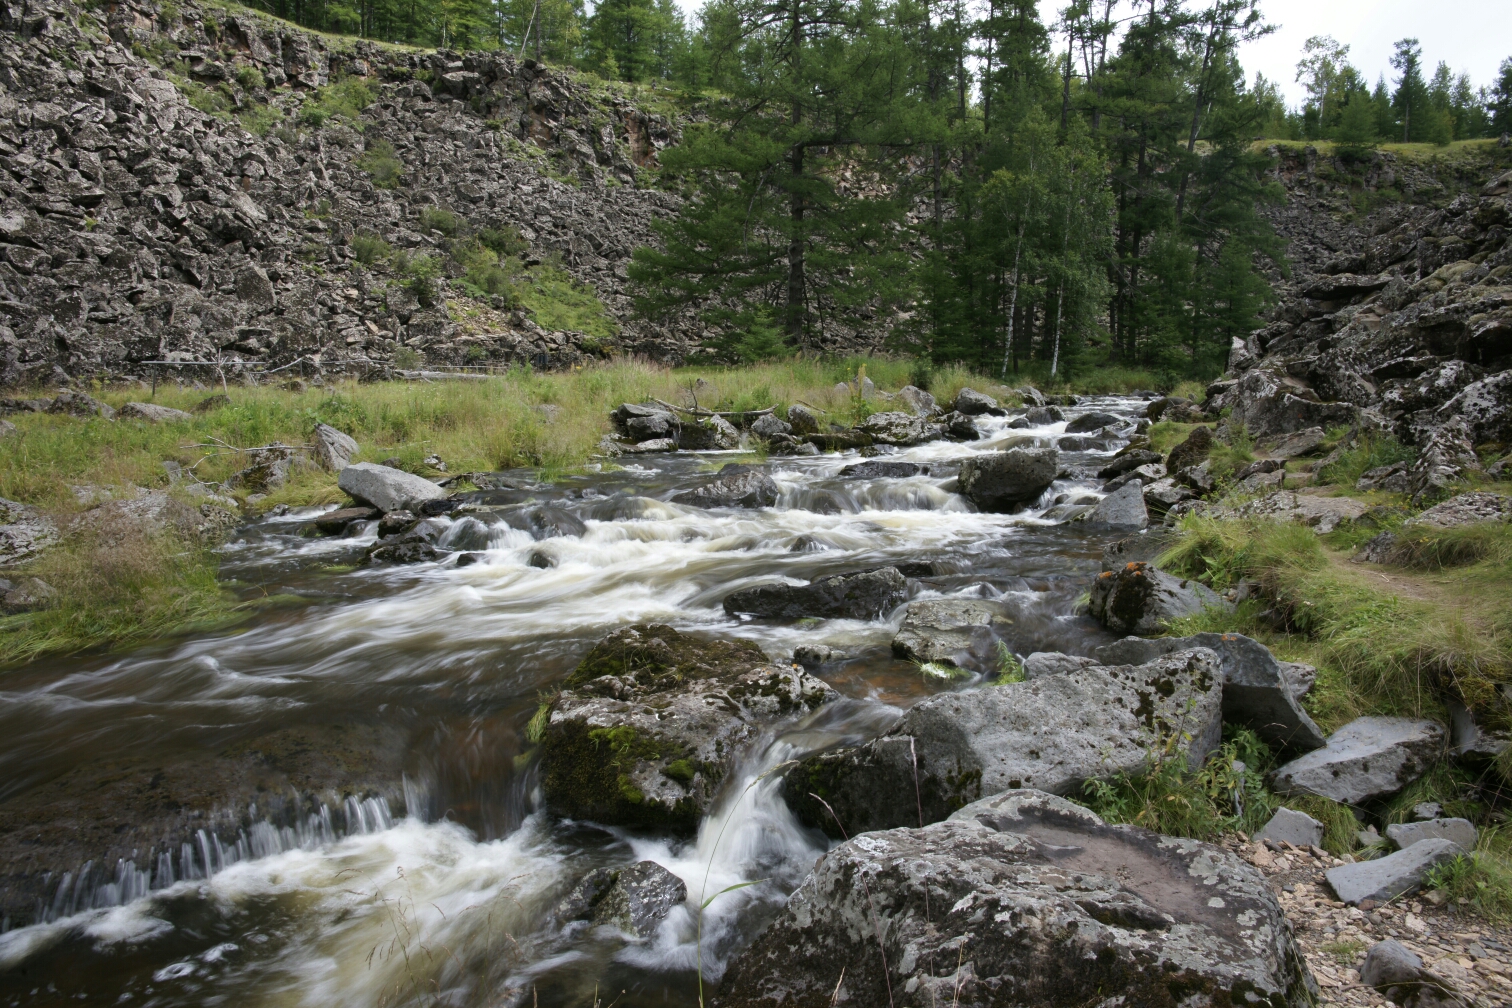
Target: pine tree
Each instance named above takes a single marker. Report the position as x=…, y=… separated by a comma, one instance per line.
x=1500, y=104
x=1411, y=95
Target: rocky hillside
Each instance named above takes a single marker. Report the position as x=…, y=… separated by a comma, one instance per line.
x=188, y=183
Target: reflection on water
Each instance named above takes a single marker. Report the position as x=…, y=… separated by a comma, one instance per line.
x=449, y=901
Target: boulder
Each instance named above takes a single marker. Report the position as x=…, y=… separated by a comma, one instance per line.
x=626, y=412
x=1140, y=599
x=1126, y=461
x=406, y=548
x=1296, y=828
x=802, y=420
x=880, y=469
x=1052, y=733
x=151, y=513
x=80, y=404
x=1321, y=514
x=940, y=630
x=960, y=426
x=736, y=486
x=973, y=403
x=1465, y=509
x=651, y=722
x=1461, y=831
x=769, y=424
x=895, y=428
x=1005, y=481
x=1303, y=442
x=1094, y=421
x=1370, y=757
x=1164, y=494
x=1397, y=972
x=209, y=404
x=1025, y=899
x=270, y=469
x=152, y=413
x=1258, y=691
x=396, y=522
x=335, y=522
x=1392, y=478
x=25, y=595
x=635, y=899
x=24, y=532
x=652, y=427
x=1030, y=396
x=1145, y=474
x=385, y=488
x=921, y=402
x=1386, y=878
x=812, y=656
x=665, y=444
x=1124, y=508
x=1043, y=663
x=1193, y=451
x=1042, y=416
x=866, y=595
x=333, y=448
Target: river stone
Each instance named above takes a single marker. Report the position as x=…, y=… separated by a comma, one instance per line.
x=1043, y=663
x=1043, y=416
x=649, y=725
x=335, y=522
x=152, y=412
x=769, y=425
x=1296, y=828
x=1025, y=899
x=960, y=426
x=1005, y=481
x=1089, y=422
x=635, y=899
x=1052, y=733
x=1258, y=691
x=333, y=449
x=896, y=428
x=878, y=469
x=921, y=402
x=385, y=488
x=408, y=548
x=1461, y=831
x=1395, y=875
x=736, y=486
x=974, y=403
x=866, y=595
x=936, y=630
x=1124, y=508
x=1193, y=451
x=1371, y=757
x=1141, y=599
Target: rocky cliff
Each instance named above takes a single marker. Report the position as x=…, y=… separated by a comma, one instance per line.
x=195, y=184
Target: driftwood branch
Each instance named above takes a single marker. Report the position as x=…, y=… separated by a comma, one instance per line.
x=708, y=413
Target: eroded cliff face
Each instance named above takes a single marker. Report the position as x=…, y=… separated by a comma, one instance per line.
x=1397, y=321
x=135, y=227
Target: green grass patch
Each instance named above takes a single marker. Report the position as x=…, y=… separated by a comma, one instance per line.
x=558, y=302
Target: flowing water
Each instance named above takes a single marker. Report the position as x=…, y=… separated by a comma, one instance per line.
x=445, y=896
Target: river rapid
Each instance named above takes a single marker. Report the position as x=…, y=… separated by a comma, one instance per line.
x=441, y=891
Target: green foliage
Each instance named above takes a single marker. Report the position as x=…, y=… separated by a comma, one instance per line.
x=505, y=241
x=343, y=100
x=260, y=119
x=753, y=336
x=1482, y=879
x=382, y=162
x=558, y=302
x=369, y=248
x=1009, y=668
x=441, y=221
x=251, y=78
x=1369, y=451
x=422, y=271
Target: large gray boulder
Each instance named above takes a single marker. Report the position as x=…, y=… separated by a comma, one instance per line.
x=387, y=489
x=864, y=595
x=941, y=630
x=1397, y=972
x=333, y=448
x=974, y=403
x=650, y=723
x=1052, y=733
x=634, y=899
x=1461, y=831
x=770, y=425
x=1093, y=421
x=1124, y=508
x=736, y=486
x=897, y=428
x=802, y=419
x=922, y=403
x=1394, y=875
x=1006, y=481
x=1025, y=899
x=1371, y=757
x=1140, y=599
x=708, y=433
x=1258, y=691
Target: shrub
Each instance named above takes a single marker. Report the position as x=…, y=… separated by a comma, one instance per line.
x=441, y=221
x=369, y=248
x=1370, y=451
x=251, y=78
x=261, y=119
x=503, y=241
x=345, y=99
x=382, y=162
x=423, y=271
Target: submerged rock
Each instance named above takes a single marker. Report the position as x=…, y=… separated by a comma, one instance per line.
x=938, y=630
x=649, y=724
x=635, y=899
x=865, y=595
x=1025, y=899
x=736, y=486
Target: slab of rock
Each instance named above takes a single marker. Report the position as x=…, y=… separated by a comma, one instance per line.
x=1193, y=451
x=1461, y=831
x=896, y=428
x=1371, y=757
x=660, y=417
x=802, y=420
x=1321, y=514
x=1394, y=875
x=922, y=403
x=1465, y=509
x=334, y=522
x=333, y=448
x=880, y=469
x=1397, y=972
x=24, y=532
x=1025, y=899
x=1258, y=691
x=938, y=630
x=1124, y=508
x=973, y=403
x=1006, y=481
x=385, y=488
x=865, y=595
x=1094, y=421
x=1296, y=828
x=152, y=412
x=650, y=723
x=1303, y=442
x=1164, y=494
x=80, y=404
x=634, y=899
x=736, y=486
x=1140, y=599
x=1052, y=733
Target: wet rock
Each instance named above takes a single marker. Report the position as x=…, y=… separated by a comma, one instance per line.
x=1164, y=494
x=152, y=413
x=24, y=532
x=983, y=910
x=802, y=420
x=884, y=470
x=1258, y=691
x=25, y=595
x=649, y=725
x=1304, y=442
x=1030, y=396
x=1397, y=972
x=409, y=548
x=1296, y=828
x=973, y=403
x=737, y=486
x=940, y=630
x=708, y=434
x=336, y=522
x=634, y=899
x=333, y=449
x=1145, y=475
x=1122, y=509
x=1370, y=757
x=1052, y=733
x=1077, y=443
x=896, y=428
x=1392, y=876
x=386, y=488
x=1460, y=831
x=920, y=402
x=652, y=427
x=468, y=559
x=1089, y=422
x=1125, y=462
x=960, y=426
x=1142, y=599
x=80, y=404
x=1042, y=416
x=547, y=522
x=1043, y=663
x=1005, y=481
x=397, y=523
x=866, y=595
x=1193, y=451
x=653, y=446
x=812, y=656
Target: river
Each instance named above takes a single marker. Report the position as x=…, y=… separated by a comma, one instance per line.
x=440, y=889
